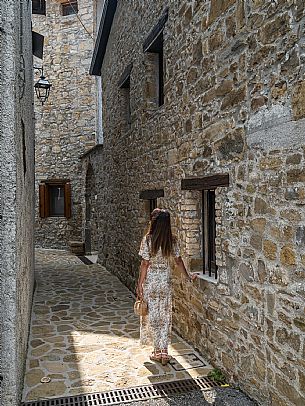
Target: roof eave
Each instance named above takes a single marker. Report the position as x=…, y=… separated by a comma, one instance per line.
x=102, y=37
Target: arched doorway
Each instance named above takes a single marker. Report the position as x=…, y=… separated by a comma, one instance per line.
x=90, y=223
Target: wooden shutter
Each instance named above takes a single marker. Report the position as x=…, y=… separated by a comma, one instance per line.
x=68, y=200
x=42, y=200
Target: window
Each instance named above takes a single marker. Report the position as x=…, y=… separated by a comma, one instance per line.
x=156, y=48
x=209, y=232
x=153, y=204
x=69, y=7
x=154, y=45
x=207, y=185
x=151, y=198
x=39, y=7
x=124, y=85
x=55, y=198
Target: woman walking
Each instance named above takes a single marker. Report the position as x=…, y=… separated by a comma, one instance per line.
x=154, y=285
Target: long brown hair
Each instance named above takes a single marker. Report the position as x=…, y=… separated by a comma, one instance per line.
x=160, y=232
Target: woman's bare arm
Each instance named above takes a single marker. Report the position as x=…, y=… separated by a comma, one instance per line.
x=143, y=272
x=180, y=265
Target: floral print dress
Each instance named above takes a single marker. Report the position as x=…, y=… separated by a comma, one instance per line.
x=155, y=328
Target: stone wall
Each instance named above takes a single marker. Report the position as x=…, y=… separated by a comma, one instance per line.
x=65, y=125
x=234, y=103
x=16, y=194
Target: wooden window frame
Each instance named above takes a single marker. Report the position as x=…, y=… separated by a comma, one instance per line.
x=207, y=185
x=39, y=9
x=44, y=198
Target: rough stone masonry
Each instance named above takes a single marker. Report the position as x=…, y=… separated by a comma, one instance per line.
x=16, y=195
x=65, y=125
x=234, y=104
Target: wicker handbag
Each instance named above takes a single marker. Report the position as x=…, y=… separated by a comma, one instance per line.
x=140, y=307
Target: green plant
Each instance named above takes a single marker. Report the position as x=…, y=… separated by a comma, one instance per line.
x=216, y=375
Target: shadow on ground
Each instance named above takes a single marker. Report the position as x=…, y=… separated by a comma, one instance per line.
x=85, y=336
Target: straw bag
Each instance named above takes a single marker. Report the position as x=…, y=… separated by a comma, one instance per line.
x=140, y=307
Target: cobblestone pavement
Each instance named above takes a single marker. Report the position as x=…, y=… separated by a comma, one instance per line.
x=85, y=337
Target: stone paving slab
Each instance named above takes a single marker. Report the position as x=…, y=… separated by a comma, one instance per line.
x=85, y=337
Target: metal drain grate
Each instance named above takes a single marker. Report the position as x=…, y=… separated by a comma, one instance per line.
x=137, y=393
x=188, y=361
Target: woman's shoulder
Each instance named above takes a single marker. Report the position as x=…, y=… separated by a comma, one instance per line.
x=146, y=239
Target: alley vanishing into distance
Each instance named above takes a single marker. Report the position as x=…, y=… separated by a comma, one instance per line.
x=85, y=336
x=110, y=109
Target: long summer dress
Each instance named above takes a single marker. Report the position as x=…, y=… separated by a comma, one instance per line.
x=155, y=328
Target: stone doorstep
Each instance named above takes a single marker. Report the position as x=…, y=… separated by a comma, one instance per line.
x=77, y=247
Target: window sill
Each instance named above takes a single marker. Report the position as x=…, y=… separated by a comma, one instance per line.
x=206, y=278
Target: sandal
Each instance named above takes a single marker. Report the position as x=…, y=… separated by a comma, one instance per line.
x=156, y=356
x=165, y=357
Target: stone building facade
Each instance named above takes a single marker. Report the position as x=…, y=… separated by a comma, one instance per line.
x=66, y=124
x=229, y=135
x=16, y=194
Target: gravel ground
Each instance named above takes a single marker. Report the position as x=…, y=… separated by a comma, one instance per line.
x=217, y=397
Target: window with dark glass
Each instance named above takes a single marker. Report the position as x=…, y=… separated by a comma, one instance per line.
x=55, y=198
x=39, y=7
x=150, y=197
x=69, y=7
x=207, y=185
x=209, y=232
x=154, y=46
x=124, y=85
x=125, y=90
x=153, y=204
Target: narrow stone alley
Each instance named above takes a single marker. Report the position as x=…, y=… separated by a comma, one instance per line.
x=84, y=334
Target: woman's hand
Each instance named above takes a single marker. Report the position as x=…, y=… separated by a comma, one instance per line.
x=192, y=276
x=180, y=265
x=143, y=271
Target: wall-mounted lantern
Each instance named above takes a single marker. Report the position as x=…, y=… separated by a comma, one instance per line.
x=42, y=87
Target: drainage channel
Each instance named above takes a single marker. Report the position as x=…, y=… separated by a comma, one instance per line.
x=145, y=392
x=85, y=260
